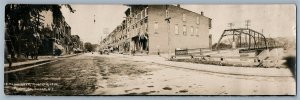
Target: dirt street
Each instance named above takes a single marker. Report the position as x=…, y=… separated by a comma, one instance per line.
x=94, y=74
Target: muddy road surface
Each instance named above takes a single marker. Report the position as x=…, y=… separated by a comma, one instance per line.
x=94, y=74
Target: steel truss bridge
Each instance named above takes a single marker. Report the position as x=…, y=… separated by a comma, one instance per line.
x=247, y=39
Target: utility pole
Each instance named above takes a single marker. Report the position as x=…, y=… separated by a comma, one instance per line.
x=247, y=23
x=167, y=19
x=230, y=25
x=233, y=35
x=94, y=19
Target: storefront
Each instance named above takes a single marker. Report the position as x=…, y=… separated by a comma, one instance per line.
x=140, y=43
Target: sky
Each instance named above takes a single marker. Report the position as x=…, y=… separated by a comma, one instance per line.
x=82, y=21
x=274, y=20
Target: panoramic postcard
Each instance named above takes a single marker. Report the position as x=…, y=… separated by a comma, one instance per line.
x=174, y=49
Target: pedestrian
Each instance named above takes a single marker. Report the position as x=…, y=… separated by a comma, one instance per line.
x=222, y=61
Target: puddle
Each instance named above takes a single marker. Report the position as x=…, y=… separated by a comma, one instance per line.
x=183, y=91
x=167, y=88
x=150, y=86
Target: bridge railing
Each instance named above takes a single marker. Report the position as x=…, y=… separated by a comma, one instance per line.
x=191, y=52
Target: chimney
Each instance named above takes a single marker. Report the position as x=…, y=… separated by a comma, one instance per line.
x=202, y=13
x=178, y=5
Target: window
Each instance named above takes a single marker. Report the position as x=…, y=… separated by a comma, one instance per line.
x=198, y=20
x=133, y=18
x=155, y=27
x=197, y=32
x=146, y=11
x=146, y=27
x=146, y=20
x=176, y=29
x=167, y=13
x=192, y=31
x=129, y=20
x=209, y=23
x=139, y=16
x=183, y=17
x=184, y=30
x=142, y=14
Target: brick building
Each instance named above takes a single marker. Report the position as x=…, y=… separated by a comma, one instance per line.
x=159, y=28
x=57, y=37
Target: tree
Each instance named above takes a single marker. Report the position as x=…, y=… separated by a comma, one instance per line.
x=88, y=46
x=221, y=46
x=22, y=25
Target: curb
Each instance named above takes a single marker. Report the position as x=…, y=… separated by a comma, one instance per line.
x=29, y=65
x=227, y=73
x=26, y=64
x=231, y=71
x=67, y=56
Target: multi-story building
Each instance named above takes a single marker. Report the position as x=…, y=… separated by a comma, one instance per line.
x=58, y=36
x=159, y=28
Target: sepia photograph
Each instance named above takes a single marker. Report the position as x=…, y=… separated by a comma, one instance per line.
x=156, y=50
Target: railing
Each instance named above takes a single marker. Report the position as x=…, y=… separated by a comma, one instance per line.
x=191, y=52
x=181, y=52
x=257, y=50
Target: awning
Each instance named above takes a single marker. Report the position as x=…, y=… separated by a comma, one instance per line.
x=135, y=38
x=140, y=37
x=144, y=36
x=57, y=46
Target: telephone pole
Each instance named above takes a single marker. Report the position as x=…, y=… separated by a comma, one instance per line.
x=233, y=35
x=247, y=26
x=94, y=19
x=230, y=25
x=247, y=23
x=167, y=19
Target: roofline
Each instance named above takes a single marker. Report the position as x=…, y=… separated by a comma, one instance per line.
x=190, y=11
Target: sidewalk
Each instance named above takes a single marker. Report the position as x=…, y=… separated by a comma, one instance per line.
x=28, y=64
x=230, y=70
